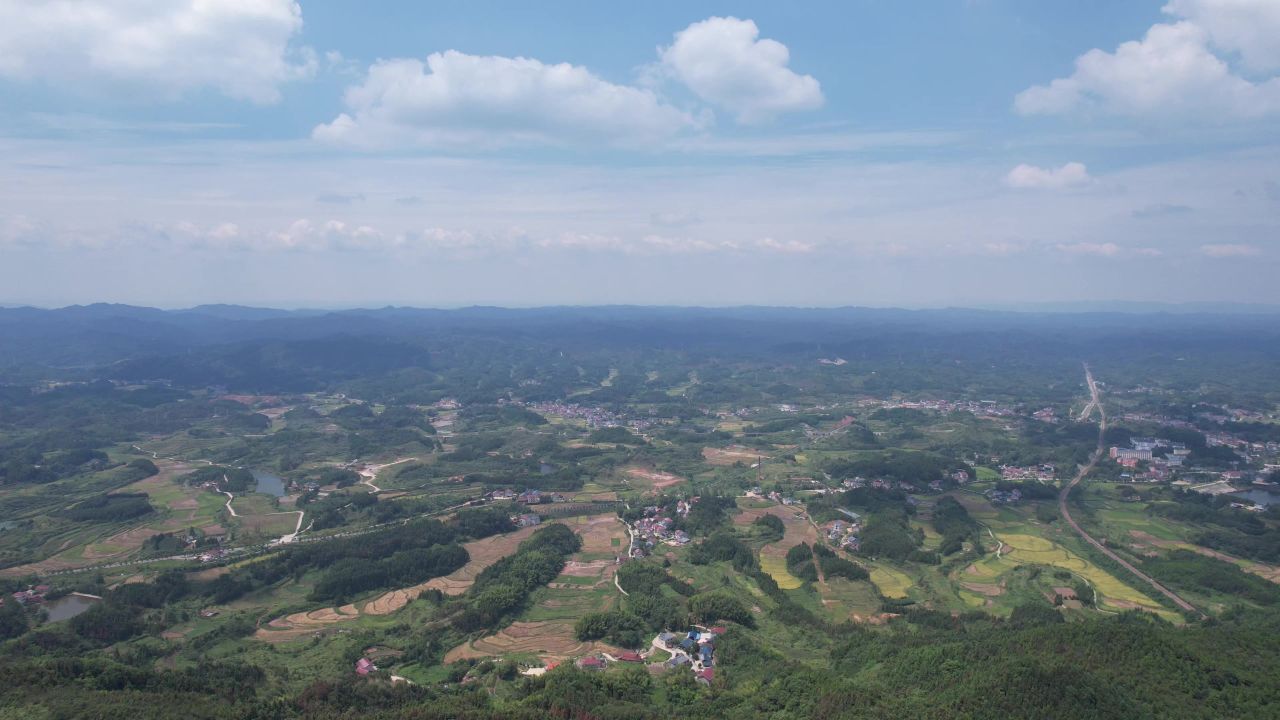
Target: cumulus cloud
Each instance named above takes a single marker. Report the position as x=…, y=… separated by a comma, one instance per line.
x=724, y=61
x=456, y=97
x=1174, y=69
x=1246, y=27
x=1230, y=250
x=1072, y=174
x=241, y=49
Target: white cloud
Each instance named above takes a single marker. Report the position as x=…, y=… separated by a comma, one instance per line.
x=1024, y=176
x=240, y=49
x=724, y=62
x=1086, y=248
x=1173, y=70
x=784, y=246
x=455, y=97
x=1230, y=250
x=1247, y=27
x=1002, y=249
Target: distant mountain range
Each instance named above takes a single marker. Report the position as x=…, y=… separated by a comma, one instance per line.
x=220, y=343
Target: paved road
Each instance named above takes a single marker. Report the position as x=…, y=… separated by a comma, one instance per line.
x=1096, y=402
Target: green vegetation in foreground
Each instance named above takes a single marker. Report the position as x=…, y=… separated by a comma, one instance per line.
x=959, y=601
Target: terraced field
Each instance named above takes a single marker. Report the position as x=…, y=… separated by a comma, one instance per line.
x=483, y=553
x=584, y=586
x=1023, y=549
x=773, y=556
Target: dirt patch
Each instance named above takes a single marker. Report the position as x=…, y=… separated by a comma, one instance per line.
x=208, y=574
x=874, y=619
x=981, y=589
x=732, y=455
x=653, y=480
x=585, y=569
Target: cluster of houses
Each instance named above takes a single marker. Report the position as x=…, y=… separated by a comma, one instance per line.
x=594, y=417
x=1045, y=415
x=980, y=408
x=600, y=661
x=1225, y=439
x=844, y=533
x=1142, y=450
x=1004, y=497
x=774, y=495
x=1041, y=473
x=882, y=484
x=213, y=555
x=33, y=595
x=654, y=529
x=528, y=497
x=526, y=520
x=694, y=649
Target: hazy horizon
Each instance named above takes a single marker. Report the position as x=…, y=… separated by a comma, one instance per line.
x=1063, y=308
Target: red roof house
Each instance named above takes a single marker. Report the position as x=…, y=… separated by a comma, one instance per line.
x=364, y=666
x=630, y=656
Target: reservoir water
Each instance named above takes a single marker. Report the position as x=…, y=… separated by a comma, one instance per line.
x=69, y=606
x=1259, y=497
x=268, y=484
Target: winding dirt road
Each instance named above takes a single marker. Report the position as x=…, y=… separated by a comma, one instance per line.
x=1096, y=402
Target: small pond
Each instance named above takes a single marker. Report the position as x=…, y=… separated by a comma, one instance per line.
x=69, y=606
x=1259, y=497
x=268, y=484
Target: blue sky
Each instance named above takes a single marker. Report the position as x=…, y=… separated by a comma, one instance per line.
x=957, y=152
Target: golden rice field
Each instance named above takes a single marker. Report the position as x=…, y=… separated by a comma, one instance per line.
x=776, y=567
x=1029, y=549
x=891, y=583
